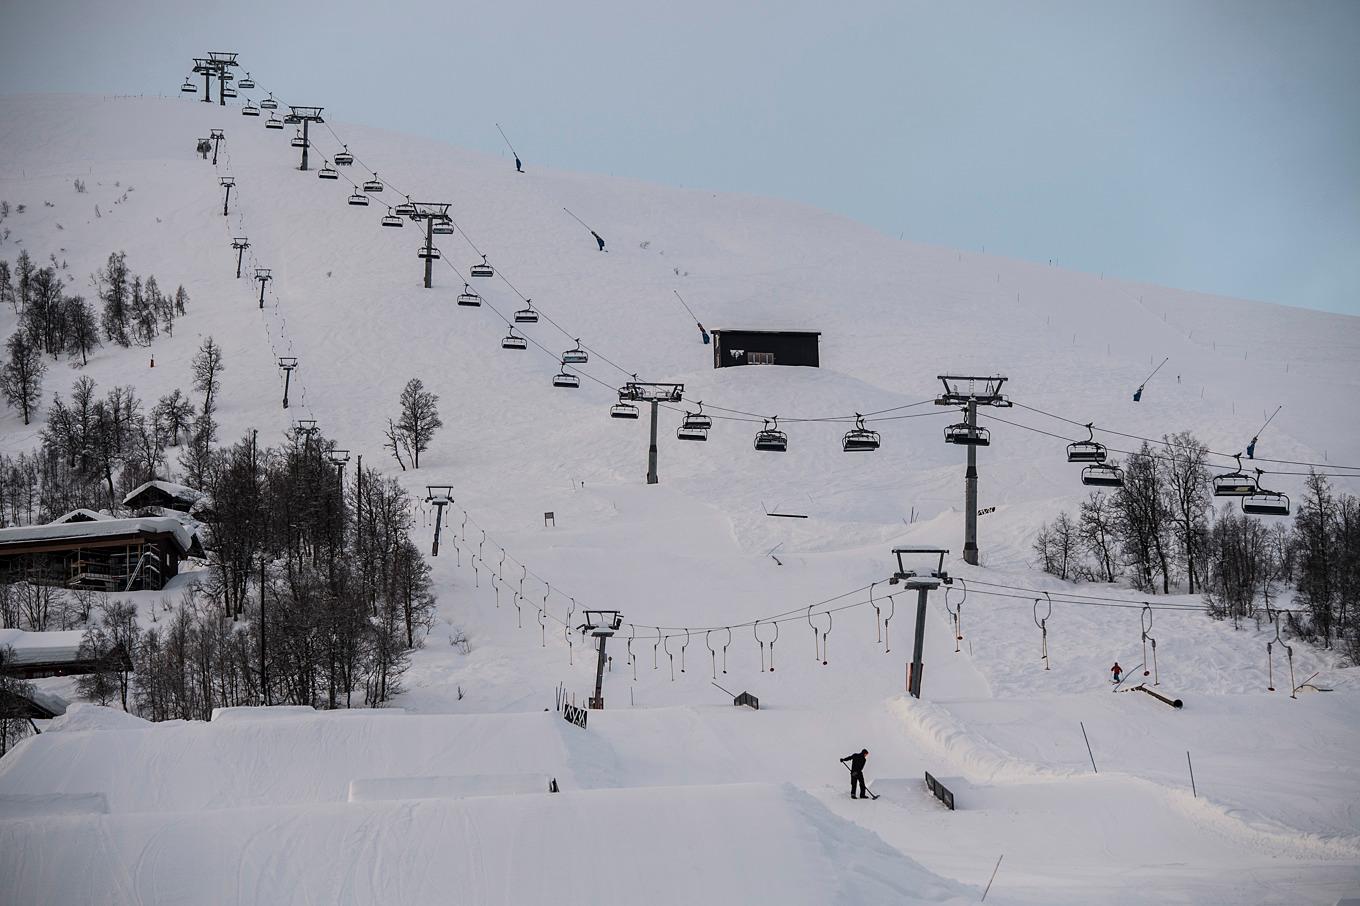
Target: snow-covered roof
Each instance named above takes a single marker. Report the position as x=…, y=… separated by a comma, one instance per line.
x=103, y=528
x=80, y=515
x=177, y=491
x=40, y=647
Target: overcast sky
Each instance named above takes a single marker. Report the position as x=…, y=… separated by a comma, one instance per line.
x=1203, y=145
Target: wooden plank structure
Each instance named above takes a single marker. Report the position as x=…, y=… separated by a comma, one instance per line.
x=112, y=555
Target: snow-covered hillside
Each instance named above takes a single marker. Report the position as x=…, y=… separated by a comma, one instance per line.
x=671, y=795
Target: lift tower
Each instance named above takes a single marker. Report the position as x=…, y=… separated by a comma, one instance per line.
x=219, y=63
x=600, y=624
x=435, y=214
x=969, y=392
x=304, y=116
x=916, y=571
x=654, y=393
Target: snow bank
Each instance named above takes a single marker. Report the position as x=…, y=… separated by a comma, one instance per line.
x=381, y=789
x=83, y=716
x=47, y=804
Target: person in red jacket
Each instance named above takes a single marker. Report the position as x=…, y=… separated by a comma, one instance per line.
x=1116, y=671
x=857, y=773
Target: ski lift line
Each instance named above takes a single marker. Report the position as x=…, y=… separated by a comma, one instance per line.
x=1160, y=457
x=507, y=140
x=1155, y=370
x=1152, y=440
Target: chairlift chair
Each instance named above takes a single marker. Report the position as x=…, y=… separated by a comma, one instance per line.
x=250, y=110
x=273, y=122
x=442, y=228
x=482, y=270
x=428, y=251
x=1262, y=502
x=269, y=103
x=1089, y=450
x=770, y=438
x=358, y=199
x=344, y=158
x=860, y=438
x=688, y=432
x=966, y=435
x=374, y=184
x=405, y=208
x=563, y=379
x=469, y=297
x=247, y=82
x=188, y=86
x=298, y=141
x=576, y=356
x=228, y=92
x=527, y=315
x=513, y=340
x=292, y=119
x=327, y=173
x=1103, y=475
x=697, y=420
x=391, y=220
x=622, y=409
x=1234, y=484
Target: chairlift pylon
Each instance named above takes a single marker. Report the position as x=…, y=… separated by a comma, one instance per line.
x=482, y=270
x=576, y=355
x=469, y=297
x=770, y=438
x=527, y=315
x=860, y=438
x=1089, y=450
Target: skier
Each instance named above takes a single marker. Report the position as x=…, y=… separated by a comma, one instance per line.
x=519, y=167
x=1251, y=449
x=703, y=333
x=1116, y=671
x=204, y=146
x=857, y=772
x=598, y=238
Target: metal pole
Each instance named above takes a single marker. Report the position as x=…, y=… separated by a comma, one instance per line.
x=217, y=143
x=287, y=379
x=916, y=666
x=970, y=545
x=651, y=451
x=429, y=244
x=226, y=199
x=438, y=523
x=207, y=86
x=305, y=143
x=262, y=282
x=240, y=254
x=222, y=87
x=264, y=669
x=598, y=700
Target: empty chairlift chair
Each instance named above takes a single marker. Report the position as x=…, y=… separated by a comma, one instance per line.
x=188, y=86
x=966, y=435
x=564, y=379
x=428, y=251
x=406, y=208
x=273, y=122
x=328, y=173
x=623, y=409
x=576, y=356
x=859, y=438
x=247, y=82
x=469, y=297
x=770, y=438
x=358, y=199
x=391, y=220
x=1265, y=503
x=250, y=110
x=269, y=103
x=442, y=227
x=482, y=270
x=374, y=184
x=1234, y=484
x=694, y=426
x=527, y=315
x=344, y=158
x=513, y=340
x=1089, y=450
x=1103, y=475
x=228, y=92
x=298, y=141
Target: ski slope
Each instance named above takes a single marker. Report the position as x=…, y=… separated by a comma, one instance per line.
x=672, y=795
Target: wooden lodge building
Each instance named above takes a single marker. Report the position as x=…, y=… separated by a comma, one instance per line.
x=766, y=347
x=104, y=554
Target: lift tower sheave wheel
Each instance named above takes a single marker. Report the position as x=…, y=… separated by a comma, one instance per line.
x=969, y=392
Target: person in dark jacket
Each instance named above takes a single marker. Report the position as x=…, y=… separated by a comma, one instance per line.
x=598, y=238
x=519, y=167
x=857, y=773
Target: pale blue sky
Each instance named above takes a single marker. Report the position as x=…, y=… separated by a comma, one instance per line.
x=1204, y=145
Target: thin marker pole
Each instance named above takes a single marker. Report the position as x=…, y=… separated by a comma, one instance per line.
x=993, y=877
x=1088, y=747
x=1192, y=774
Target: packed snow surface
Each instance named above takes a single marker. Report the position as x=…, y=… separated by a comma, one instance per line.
x=672, y=795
